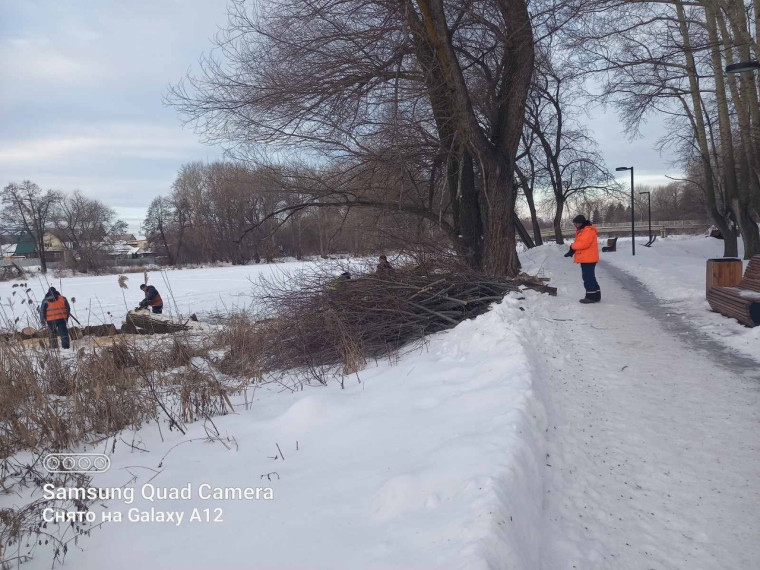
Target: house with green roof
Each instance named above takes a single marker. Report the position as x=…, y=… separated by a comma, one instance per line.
x=55, y=249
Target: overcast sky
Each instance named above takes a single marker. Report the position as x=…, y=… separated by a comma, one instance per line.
x=81, y=84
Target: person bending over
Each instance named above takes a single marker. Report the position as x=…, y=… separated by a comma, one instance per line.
x=152, y=299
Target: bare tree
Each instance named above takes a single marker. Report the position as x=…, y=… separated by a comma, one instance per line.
x=27, y=210
x=565, y=154
x=161, y=227
x=669, y=58
x=88, y=225
x=418, y=90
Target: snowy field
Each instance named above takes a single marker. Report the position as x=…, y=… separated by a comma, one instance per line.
x=544, y=434
x=100, y=300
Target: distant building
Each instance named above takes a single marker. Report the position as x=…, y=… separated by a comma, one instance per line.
x=55, y=248
x=133, y=248
x=127, y=238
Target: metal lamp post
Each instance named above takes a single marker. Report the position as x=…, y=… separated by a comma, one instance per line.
x=649, y=198
x=633, y=219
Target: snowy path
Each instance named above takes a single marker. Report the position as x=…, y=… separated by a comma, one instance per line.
x=653, y=449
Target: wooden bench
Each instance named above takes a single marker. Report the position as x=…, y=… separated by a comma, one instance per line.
x=741, y=302
x=611, y=245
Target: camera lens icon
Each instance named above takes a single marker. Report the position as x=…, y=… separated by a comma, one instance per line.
x=52, y=463
x=88, y=463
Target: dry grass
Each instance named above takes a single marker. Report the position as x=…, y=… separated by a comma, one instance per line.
x=50, y=402
x=317, y=327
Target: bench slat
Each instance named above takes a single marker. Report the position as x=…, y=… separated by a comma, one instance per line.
x=729, y=301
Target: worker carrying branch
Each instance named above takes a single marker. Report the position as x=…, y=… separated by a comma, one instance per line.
x=152, y=299
x=55, y=312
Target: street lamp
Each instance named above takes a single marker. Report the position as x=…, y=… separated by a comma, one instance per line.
x=743, y=66
x=649, y=198
x=633, y=220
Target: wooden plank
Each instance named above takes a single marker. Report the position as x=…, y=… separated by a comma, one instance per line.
x=723, y=272
x=729, y=302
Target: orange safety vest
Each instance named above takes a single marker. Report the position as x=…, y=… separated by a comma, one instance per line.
x=585, y=245
x=56, y=309
x=155, y=301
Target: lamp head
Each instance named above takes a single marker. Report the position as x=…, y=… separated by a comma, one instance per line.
x=621, y=168
x=743, y=66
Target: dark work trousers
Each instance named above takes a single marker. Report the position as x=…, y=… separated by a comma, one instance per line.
x=158, y=309
x=589, y=281
x=56, y=329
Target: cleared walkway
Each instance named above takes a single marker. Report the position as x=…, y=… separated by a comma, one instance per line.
x=654, y=436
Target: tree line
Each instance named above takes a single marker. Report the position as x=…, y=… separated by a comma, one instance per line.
x=229, y=212
x=205, y=216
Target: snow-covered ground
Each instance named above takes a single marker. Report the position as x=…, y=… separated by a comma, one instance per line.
x=100, y=299
x=652, y=458
x=544, y=434
x=674, y=270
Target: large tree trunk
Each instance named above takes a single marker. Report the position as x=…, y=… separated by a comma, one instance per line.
x=715, y=208
x=744, y=96
x=728, y=161
x=457, y=120
x=41, y=252
x=466, y=208
x=534, y=219
x=558, y=222
x=499, y=243
x=527, y=188
x=730, y=242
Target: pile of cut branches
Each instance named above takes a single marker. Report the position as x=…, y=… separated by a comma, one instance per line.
x=320, y=321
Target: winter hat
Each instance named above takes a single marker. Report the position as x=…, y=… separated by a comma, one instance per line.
x=143, y=286
x=52, y=291
x=580, y=219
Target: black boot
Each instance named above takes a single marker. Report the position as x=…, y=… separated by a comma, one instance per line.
x=592, y=297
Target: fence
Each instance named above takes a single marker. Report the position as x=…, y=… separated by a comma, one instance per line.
x=661, y=226
x=31, y=262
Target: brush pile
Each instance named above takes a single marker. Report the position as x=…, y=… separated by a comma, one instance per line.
x=321, y=322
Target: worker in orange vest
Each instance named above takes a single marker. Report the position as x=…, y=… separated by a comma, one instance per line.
x=152, y=299
x=585, y=250
x=55, y=312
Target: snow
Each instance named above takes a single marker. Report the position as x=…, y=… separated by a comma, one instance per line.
x=674, y=269
x=544, y=434
x=652, y=455
x=100, y=300
x=752, y=295
x=405, y=468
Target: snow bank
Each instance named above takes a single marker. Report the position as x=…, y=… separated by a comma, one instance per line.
x=435, y=462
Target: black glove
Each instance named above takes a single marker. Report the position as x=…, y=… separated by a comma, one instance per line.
x=570, y=253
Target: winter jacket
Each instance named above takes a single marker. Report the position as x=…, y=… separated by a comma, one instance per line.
x=385, y=269
x=54, y=308
x=585, y=246
x=152, y=298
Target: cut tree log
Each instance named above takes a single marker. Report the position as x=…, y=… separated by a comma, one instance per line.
x=29, y=332
x=145, y=322
x=100, y=330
